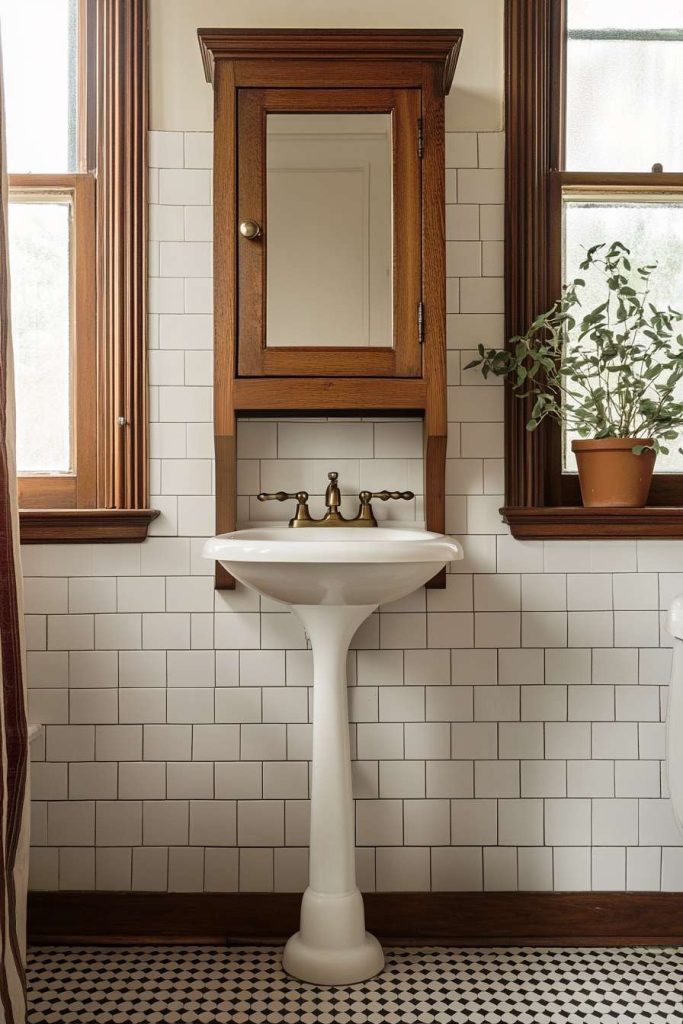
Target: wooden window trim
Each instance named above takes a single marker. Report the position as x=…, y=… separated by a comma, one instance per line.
x=111, y=503
x=541, y=502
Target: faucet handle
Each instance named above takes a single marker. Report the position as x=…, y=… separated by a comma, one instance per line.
x=367, y=496
x=302, y=516
x=300, y=496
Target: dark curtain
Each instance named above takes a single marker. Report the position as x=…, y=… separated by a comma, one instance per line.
x=13, y=727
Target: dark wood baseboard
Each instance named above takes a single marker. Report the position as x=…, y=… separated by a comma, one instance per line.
x=440, y=918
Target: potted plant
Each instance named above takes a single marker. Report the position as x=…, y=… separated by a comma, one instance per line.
x=612, y=375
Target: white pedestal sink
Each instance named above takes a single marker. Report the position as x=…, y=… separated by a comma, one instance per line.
x=333, y=579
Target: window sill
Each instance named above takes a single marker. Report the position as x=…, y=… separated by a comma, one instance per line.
x=77, y=526
x=578, y=523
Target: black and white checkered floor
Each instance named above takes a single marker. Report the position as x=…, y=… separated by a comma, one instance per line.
x=223, y=985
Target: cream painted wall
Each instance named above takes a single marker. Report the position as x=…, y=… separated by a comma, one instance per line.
x=181, y=99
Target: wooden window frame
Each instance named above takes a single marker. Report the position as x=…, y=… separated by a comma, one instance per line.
x=77, y=489
x=107, y=497
x=540, y=501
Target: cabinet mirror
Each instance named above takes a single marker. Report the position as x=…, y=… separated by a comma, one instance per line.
x=329, y=224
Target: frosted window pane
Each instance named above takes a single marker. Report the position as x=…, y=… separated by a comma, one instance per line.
x=624, y=14
x=40, y=65
x=653, y=231
x=41, y=329
x=624, y=105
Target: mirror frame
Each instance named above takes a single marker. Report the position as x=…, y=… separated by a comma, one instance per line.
x=255, y=357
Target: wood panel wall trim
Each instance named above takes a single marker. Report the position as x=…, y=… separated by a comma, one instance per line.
x=446, y=918
x=434, y=290
x=437, y=44
x=122, y=120
x=74, y=526
x=224, y=308
x=529, y=92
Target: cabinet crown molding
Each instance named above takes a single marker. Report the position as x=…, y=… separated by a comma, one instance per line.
x=439, y=45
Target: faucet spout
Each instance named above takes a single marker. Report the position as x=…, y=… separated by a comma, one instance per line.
x=332, y=494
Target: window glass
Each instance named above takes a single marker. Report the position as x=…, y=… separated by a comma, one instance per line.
x=624, y=14
x=39, y=43
x=39, y=237
x=653, y=231
x=624, y=85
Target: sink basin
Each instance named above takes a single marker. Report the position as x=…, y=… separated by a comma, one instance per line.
x=344, y=566
x=333, y=579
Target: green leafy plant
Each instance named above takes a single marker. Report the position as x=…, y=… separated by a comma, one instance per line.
x=614, y=371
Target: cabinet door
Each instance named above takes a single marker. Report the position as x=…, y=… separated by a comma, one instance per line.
x=329, y=232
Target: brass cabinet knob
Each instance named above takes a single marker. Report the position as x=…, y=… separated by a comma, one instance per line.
x=250, y=229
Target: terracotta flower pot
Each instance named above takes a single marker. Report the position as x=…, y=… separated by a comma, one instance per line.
x=611, y=475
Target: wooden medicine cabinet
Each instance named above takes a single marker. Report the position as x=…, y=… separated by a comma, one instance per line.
x=329, y=250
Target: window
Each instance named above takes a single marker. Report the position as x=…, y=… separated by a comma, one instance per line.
x=52, y=253
x=624, y=88
x=54, y=337
x=74, y=83
x=649, y=221
x=595, y=154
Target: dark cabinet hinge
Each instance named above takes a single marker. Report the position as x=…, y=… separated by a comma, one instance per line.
x=420, y=322
x=420, y=138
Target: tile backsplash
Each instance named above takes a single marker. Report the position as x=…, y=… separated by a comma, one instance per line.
x=507, y=732
x=297, y=455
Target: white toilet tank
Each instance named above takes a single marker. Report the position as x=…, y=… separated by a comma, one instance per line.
x=674, y=725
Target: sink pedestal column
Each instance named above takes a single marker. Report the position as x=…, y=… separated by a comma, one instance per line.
x=332, y=946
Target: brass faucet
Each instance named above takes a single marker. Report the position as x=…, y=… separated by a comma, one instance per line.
x=333, y=517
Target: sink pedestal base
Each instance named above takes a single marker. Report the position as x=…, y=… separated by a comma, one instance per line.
x=332, y=946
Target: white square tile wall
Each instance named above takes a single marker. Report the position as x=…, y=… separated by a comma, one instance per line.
x=508, y=730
